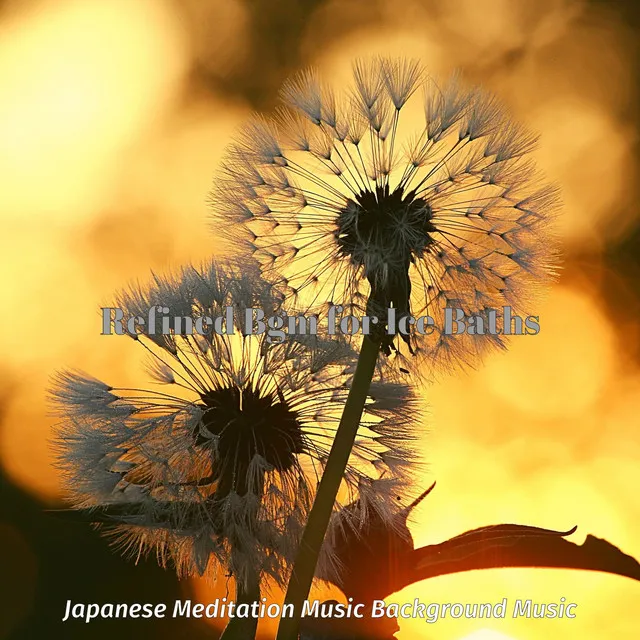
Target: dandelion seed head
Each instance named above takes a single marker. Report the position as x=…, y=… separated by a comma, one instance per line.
x=216, y=464
x=375, y=215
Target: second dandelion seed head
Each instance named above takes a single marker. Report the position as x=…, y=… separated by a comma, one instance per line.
x=220, y=465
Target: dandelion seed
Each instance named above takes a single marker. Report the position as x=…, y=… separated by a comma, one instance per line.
x=377, y=216
x=219, y=467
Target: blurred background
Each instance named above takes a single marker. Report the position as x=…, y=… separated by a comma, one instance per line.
x=113, y=118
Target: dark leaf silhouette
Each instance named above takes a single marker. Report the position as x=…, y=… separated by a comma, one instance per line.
x=512, y=545
x=379, y=560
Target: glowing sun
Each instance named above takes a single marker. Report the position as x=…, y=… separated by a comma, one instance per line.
x=487, y=634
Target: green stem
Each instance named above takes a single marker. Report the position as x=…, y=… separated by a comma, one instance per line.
x=243, y=628
x=307, y=558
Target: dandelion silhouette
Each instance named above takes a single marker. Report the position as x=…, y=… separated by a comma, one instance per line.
x=335, y=198
x=220, y=470
x=348, y=202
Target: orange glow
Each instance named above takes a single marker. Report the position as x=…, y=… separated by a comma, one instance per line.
x=569, y=319
x=102, y=178
x=205, y=590
x=79, y=79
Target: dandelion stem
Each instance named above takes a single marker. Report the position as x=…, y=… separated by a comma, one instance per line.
x=243, y=628
x=307, y=558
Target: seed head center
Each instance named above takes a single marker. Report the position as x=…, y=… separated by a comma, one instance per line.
x=385, y=227
x=247, y=424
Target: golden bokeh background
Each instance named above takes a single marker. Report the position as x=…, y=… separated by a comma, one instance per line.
x=113, y=118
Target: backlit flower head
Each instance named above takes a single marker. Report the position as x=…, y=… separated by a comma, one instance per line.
x=218, y=465
x=396, y=192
